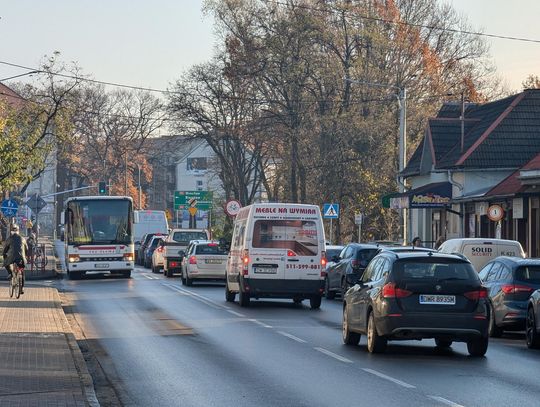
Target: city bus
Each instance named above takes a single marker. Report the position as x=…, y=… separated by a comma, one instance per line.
x=98, y=235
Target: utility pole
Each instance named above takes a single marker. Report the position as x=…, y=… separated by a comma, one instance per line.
x=139, y=188
x=402, y=147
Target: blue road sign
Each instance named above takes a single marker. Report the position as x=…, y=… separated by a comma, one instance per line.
x=9, y=208
x=331, y=211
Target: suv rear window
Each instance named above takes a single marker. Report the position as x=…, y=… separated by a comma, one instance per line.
x=186, y=237
x=530, y=274
x=433, y=269
x=209, y=249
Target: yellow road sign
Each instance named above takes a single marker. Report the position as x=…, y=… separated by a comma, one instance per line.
x=192, y=211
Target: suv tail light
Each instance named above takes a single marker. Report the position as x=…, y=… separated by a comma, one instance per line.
x=391, y=291
x=477, y=294
x=245, y=262
x=192, y=260
x=515, y=288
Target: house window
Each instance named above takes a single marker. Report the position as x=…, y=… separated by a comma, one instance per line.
x=199, y=183
x=197, y=164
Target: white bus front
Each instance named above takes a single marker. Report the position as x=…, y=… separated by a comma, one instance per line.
x=98, y=235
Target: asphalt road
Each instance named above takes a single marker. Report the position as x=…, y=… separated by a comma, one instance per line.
x=164, y=344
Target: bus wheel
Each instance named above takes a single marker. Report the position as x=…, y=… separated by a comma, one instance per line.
x=74, y=275
x=126, y=273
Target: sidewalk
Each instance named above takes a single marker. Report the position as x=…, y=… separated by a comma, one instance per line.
x=40, y=361
x=50, y=271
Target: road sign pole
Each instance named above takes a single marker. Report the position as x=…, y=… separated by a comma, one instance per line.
x=37, y=221
x=331, y=231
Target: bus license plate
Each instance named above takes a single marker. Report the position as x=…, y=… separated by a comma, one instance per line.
x=265, y=270
x=102, y=265
x=437, y=299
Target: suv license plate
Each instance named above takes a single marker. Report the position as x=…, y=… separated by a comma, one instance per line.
x=265, y=270
x=437, y=299
x=102, y=265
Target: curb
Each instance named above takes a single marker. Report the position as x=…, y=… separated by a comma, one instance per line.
x=87, y=384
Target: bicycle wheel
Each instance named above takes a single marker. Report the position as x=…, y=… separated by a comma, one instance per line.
x=19, y=283
x=11, y=285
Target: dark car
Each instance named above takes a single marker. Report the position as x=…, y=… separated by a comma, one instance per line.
x=145, y=241
x=403, y=249
x=510, y=282
x=348, y=267
x=532, y=323
x=416, y=296
x=149, y=251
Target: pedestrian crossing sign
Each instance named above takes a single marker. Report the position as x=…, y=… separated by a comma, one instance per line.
x=330, y=210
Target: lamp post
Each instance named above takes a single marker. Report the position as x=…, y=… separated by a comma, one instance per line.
x=402, y=102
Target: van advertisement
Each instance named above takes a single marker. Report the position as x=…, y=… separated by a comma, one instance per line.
x=482, y=251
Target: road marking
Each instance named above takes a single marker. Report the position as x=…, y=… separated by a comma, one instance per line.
x=445, y=401
x=259, y=323
x=333, y=355
x=196, y=296
x=294, y=338
x=236, y=313
x=202, y=297
x=148, y=277
x=383, y=376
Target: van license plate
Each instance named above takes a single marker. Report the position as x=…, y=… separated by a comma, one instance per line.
x=102, y=265
x=265, y=270
x=437, y=299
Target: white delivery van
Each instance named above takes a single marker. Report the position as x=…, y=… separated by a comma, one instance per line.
x=147, y=221
x=480, y=251
x=277, y=251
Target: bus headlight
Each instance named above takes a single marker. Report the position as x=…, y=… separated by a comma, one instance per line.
x=129, y=256
x=73, y=258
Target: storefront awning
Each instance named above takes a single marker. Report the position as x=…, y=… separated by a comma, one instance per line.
x=435, y=195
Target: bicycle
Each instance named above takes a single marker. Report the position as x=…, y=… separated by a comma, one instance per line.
x=16, y=282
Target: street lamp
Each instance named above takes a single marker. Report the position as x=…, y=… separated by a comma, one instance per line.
x=402, y=101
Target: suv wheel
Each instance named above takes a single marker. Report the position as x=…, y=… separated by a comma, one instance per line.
x=330, y=295
x=533, y=338
x=375, y=343
x=478, y=347
x=349, y=338
x=494, y=330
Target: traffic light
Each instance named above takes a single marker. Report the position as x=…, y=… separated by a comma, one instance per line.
x=102, y=188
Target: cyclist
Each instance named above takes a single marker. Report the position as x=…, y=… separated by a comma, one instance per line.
x=15, y=249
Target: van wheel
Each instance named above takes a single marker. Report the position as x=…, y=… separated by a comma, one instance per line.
x=243, y=298
x=315, y=302
x=229, y=295
x=330, y=295
x=494, y=330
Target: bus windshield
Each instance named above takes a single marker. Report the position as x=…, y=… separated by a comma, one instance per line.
x=99, y=221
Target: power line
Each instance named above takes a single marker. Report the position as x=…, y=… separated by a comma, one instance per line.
x=405, y=23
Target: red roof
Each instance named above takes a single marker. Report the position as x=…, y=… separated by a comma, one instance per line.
x=10, y=96
x=512, y=184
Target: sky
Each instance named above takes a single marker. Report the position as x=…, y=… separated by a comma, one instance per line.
x=151, y=43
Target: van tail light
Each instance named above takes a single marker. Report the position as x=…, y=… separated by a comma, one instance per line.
x=515, y=288
x=192, y=260
x=245, y=263
x=290, y=253
x=477, y=294
x=324, y=262
x=391, y=291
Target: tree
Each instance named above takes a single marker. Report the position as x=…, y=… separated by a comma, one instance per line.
x=532, y=82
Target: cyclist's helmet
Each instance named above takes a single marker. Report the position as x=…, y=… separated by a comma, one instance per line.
x=14, y=228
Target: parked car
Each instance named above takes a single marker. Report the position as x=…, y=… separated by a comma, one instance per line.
x=149, y=251
x=157, y=257
x=480, y=251
x=147, y=238
x=417, y=296
x=348, y=268
x=510, y=282
x=204, y=260
x=532, y=323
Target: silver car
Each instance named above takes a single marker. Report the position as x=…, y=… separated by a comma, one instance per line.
x=204, y=260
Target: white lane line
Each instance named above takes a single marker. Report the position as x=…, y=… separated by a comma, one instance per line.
x=333, y=355
x=445, y=401
x=148, y=277
x=294, y=338
x=383, y=376
x=202, y=297
x=189, y=294
x=236, y=313
x=259, y=323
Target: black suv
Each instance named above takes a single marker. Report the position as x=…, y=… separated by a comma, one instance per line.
x=510, y=282
x=415, y=296
x=348, y=267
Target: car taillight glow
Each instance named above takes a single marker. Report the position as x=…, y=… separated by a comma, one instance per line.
x=173, y=264
x=515, y=288
x=477, y=294
x=290, y=253
x=391, y=291
x=192, y=260
x=212, y=244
